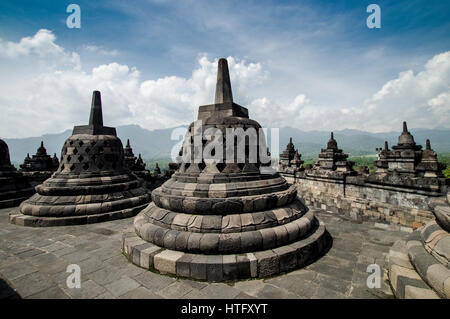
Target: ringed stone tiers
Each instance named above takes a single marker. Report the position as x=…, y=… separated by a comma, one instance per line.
x=224, y=221
x=14, y=187
x=92, y=183
x=40, y=166
x=420, y=266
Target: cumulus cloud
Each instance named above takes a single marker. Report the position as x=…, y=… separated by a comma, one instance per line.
x=57, y=96
x=100, y=50
x=41, y=46
x=422, y=99
x=44, y=88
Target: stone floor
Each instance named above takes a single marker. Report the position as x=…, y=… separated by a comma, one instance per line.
x=33, y=264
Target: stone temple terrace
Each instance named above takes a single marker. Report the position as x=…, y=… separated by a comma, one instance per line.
x=221, y=228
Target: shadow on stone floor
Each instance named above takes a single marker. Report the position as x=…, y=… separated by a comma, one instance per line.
x=6, y=292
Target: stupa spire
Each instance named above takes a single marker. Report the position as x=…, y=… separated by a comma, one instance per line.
x=428, y=144
x=223, y=85
x=405, y=128
x=96, y=117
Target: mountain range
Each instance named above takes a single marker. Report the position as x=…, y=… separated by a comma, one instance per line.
x=157, y=144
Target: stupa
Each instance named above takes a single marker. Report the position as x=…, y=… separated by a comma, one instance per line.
x=408, y=165
x=290, y=160
x=224, y=220
x=41, y=161
x=14, y=187
x=92, y=183
x=137, y=166
x=333, y=159
x=40, y=166
x=419, y=267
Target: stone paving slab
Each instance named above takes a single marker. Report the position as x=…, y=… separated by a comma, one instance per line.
x=33, y=263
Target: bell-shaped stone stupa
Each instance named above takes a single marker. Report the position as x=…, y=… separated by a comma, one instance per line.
x=227, y=219
x=14, y=187
x=92, y=183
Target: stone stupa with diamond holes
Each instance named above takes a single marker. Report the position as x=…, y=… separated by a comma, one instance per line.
x=92, y=183
x=224, y=221
x=14, y=186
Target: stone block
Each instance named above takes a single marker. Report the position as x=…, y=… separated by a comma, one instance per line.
x=214, y=269
x=147, y=256
x=165, y=261
x=268, y=263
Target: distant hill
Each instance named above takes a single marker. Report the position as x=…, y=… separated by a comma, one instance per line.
x=158, y=144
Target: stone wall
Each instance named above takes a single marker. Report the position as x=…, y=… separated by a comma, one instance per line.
x=358, y=199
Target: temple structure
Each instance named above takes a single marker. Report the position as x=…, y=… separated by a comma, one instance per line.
x=419, y=267
x=156, y=170
x=14, y=187
x=290, y=159
x=408, y=158
x=92, y=183
x=221, y=220
x=40, y=166
x=408, y=165
x=333, y=159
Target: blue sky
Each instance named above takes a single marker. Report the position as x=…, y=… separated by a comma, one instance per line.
x=320, y=49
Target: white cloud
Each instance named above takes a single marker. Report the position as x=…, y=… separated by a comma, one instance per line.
x=41, y=46
x=100, y=50
x=43, y=88
x=57, y=96
x=422, y=99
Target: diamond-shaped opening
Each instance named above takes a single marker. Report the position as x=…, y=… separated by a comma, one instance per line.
x=93, y=143
x=70, y=142
x=72, y=167
x=80, y=158
x=221, y=166
x=241, y=166
x=94, y=157
x=80, y=143
x=69, y=158
x=87, y=149
x=86, y=166
x=75, y=151
x=202, y=165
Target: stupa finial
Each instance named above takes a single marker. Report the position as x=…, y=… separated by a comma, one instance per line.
x=223, y=85
x=96, y=117
x=428, y=144
x=386, y=148
x=128, y=142
x=405, y=128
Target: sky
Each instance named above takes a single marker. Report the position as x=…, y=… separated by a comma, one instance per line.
x=313, y=65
